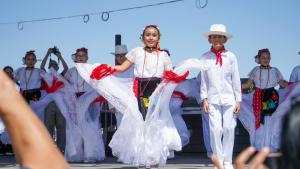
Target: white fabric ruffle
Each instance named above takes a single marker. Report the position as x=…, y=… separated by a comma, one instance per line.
x=82, y=122
x=137, y=141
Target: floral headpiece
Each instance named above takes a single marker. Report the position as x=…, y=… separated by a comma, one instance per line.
x=83, y=49
x=151, y=26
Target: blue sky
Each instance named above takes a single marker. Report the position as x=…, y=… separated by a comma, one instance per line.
x=254, y=24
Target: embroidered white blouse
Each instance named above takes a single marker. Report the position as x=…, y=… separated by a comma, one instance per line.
x=149, y=64
x=263, y=79
x=29, y=78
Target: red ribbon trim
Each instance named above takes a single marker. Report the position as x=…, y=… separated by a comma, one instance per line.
x=99, y=99
x=179, y=94
x=169, y=75
x=102, y=71
x=257, y=106
x=56, y=85
x=135, y=87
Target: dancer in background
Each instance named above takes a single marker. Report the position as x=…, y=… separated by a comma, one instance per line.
x=185, y=90
x=90, y=147
x=295, y=75
x=265, y=102
x=29, y=78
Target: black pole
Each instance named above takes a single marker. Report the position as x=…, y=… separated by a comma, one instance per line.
x=118, y=39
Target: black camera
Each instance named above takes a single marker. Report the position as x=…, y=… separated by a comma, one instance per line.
x=55, y=50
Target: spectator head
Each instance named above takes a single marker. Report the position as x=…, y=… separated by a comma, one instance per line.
x=9, y=71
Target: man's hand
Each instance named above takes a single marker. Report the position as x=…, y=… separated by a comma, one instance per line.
x=205, y=106
x=237, y=108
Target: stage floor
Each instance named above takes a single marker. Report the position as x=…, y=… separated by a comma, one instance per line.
x=181, y=161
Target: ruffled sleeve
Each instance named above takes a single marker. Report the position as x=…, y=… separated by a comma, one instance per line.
x=131, y=55
x=252, y=74
x=167, y=62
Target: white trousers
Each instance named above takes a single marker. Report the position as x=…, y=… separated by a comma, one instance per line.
x=222, y=122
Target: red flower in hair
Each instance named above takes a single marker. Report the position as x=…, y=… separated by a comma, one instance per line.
x=155, y=26
x=83, y=49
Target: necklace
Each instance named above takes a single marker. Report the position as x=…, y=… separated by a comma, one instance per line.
x=144, y=64
x=27, y=79
x=260, y=68
x=77, y=82
x=145, y=57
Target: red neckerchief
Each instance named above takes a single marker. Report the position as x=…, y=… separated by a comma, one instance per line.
x=218, y=54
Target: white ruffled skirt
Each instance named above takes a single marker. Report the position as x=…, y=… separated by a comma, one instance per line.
x=137, y=141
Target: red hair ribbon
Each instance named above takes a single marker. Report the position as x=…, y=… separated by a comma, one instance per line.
x=102, y=71
x=169, y=75
x=56, y=85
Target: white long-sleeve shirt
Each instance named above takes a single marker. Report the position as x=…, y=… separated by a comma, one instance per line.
x=221, y=85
